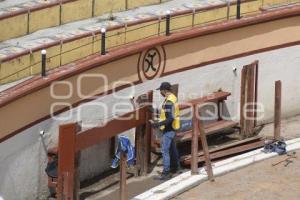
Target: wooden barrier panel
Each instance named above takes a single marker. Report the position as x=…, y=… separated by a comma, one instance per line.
x=123, y=123
x=66, y=187
x=248, y=106
x=70, y=144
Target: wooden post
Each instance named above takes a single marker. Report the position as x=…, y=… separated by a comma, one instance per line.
x=256, y=92
x=243, y=95
x=194, y=150
x=123, y=177
x=250, y=101
x=77, y=169
x=150, y=131
x=138, y=150
x=67, y=187
x=147, y=137
x=277, y=110
x=200, y=127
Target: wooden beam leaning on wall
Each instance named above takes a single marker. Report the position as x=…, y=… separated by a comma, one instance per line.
x=277, y=111
x=248, y=106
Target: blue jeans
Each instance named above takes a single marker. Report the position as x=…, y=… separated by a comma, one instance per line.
x=169, y=151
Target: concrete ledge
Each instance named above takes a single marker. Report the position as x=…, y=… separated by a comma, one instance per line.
x=186, y=181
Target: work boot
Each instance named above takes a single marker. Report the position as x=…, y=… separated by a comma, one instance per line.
x=164, y=176
x=177, y=170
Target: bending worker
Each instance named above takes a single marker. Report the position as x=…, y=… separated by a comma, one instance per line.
x=168, y=123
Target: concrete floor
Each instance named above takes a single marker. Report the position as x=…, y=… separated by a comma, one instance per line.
x=269, y=181
x=258, y=181
x=255, y=182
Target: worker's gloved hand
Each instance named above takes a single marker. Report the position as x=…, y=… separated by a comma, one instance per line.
x=154, y=124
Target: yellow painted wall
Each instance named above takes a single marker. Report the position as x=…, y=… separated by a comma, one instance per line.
x=77, y=10
x=140, y=31
x=115, y=38
x=44, y=18
x=14, y=66
x=251, y=7
x=182, y=21
x=106, y=6
x=137, y=3
x=53, y=59
x=75, y=50
x=210, y=16
x=13, y=27
x=274, y=2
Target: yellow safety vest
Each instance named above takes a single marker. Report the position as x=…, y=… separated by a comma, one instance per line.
x=176, y=121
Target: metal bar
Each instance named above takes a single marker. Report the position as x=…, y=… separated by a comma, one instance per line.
x=168, y=19
x=195, y=140
x=123, y=177
x=277, y=110
x=43, y=70
x=200, y=127
x=103, y=41
x=238, y=9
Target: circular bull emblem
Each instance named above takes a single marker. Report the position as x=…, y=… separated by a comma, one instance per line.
x=151, y=63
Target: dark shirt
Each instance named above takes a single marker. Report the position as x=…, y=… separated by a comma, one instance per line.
x=169, y=108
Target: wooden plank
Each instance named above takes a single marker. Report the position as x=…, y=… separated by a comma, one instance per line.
x=66, y=161
x=114, y=127
x=230, y=151
x=277, y=110
x=247, y=101
x=77, y=169
x=223, y=147
x=250, y=101
x=214, y=97
x=242, y=100
x=200, y=127
x=210, y=129
x=147, y=138
x=256, y=92
x=123, y=177
x=194, y=146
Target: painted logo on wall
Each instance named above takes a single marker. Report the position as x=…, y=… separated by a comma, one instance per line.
x=151, y=63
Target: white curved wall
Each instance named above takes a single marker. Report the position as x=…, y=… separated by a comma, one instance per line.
x=22, y=158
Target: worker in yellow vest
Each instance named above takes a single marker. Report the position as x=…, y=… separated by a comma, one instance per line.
x=168, y=123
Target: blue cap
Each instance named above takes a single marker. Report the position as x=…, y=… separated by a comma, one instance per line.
x=165, y=86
